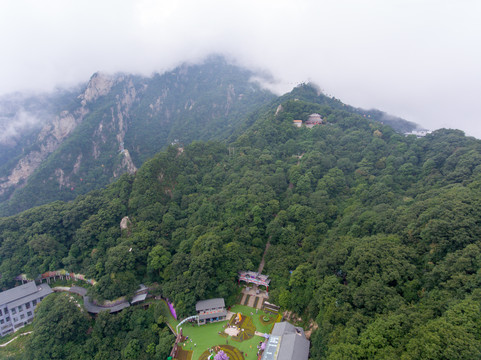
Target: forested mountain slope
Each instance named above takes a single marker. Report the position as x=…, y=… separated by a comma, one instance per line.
x=87, y=138
x=58, y=146
x=374, y=235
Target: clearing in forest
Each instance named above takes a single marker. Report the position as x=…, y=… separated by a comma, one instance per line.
x=201, y=339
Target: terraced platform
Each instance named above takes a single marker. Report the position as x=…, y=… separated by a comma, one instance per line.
x=232, y=353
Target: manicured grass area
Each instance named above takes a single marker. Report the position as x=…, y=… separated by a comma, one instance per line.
x=260, y=326
x=203, y=337
x=247, y=326
x=232, y=352
x=207, y=336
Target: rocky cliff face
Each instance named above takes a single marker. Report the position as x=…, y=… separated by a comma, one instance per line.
x=56, y=130
x=99, y=85
x=52, y=134
x=117, y=122
x=50, y=137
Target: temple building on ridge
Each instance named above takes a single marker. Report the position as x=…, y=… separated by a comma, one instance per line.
x=312, y=120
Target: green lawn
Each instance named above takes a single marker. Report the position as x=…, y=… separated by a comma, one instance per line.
x=246, y=310
x=207, y=336
x=16, y=347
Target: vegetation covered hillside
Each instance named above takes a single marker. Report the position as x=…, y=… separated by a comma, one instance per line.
x=373, y=235
x=90, y=137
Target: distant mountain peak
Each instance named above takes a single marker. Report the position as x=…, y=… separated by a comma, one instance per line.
x=118, y=121
x=99, y=84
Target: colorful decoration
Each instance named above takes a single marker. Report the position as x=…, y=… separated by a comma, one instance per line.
x=60, y=273
x=172, y=310
x=221, y=355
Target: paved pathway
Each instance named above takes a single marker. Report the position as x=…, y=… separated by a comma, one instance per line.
x=252, y=292
x=61, y=288
x=261, y=265
x=89, y=305
x=251, y=301
x=259, y=333
x=243, y=299
x=8, y=342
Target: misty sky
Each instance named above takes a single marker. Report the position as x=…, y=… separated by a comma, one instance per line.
x=418, y=59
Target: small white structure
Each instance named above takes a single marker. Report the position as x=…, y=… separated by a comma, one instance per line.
x=297, y=123
x=419, y=133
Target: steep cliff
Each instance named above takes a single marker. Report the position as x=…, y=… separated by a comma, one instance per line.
x=116, y=122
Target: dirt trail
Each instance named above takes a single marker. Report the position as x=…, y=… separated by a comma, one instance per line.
x=261, y=265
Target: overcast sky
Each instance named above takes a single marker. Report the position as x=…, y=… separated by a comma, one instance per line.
x=417, y=59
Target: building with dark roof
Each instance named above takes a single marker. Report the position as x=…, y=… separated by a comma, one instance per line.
x=140, y=295
x=211, y=310
x=286, y=342
x=17, y=305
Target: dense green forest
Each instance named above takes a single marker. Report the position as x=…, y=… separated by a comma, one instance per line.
x=62, y=331
x=373, y=235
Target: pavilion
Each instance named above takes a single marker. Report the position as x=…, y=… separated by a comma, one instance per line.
x=255, y=278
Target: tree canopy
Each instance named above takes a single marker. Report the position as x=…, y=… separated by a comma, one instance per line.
x=373, y=235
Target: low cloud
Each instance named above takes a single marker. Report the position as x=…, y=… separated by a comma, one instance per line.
x=13, y=127
x=416, y=59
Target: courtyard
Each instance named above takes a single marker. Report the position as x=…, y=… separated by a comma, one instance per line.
x=202, y=341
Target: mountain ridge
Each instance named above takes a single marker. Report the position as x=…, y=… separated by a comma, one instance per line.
x=127, y=119
x=117, y=121
x=373, y=235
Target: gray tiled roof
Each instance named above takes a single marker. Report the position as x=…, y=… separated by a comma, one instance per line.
x=293, y=347
x=282, y=328
x=210, y=304
x=119, y=307
x=19, y=292
x=138, y=298
x=91, y=308
x=293, y=343
x=95, y=309
x=42, y=290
